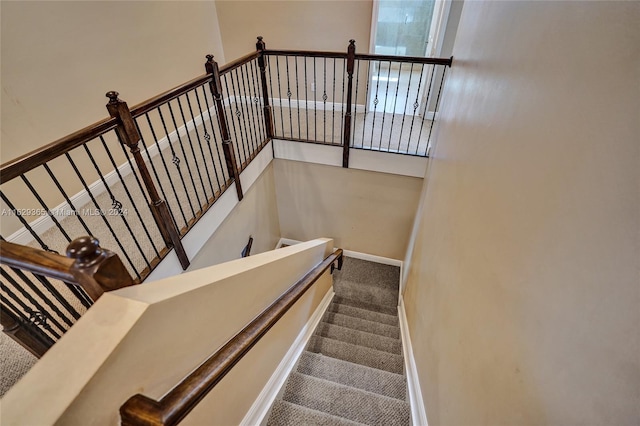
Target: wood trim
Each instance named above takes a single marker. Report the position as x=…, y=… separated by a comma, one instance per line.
x=37, y=261
x=239, y=62
x=178, y=403
x=306, y=53
x=16, y=167
x=165, y=97
x=409, y=59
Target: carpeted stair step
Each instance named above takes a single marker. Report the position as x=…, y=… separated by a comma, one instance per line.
x=362, y=325
x=357, y=354
x=357, y=337
x=367, y=314
x=368, y=282
x=354, y=375
x=286, y=413
x=388, y=309
x=344, y=401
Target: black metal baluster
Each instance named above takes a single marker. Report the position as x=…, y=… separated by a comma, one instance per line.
x=129, y=196
x=195, y=127
x=243, y=111
x=435, y=108
x=50, y=287
x=355, y=103
x=33, y=319
x=280, y=95
x=395, y=103
x=44, y=205
x=39, y=335
x=176, y=162
x=416, y=104
x=324, y=100
x=366, y=103
x=25, y=224
x=115, y=204
x=306, y=96
x=384, y=109
x=315, y=105
x=342, y=108
x=258, y=103
x=404, y=112
x=184, y=156
x=155, y=172
x=34, y=302
x=295, y=58
x=289, y=97
x=376, y=100
x=273, y=99
x=426, y=107
x=99, y=210
x=80, y=294
x=67, y=199
x=237, y=135
x=193, y=151
x=247, y=104
x=333, y=105
x=215, y=143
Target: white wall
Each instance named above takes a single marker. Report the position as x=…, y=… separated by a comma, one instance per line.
x=523, y=295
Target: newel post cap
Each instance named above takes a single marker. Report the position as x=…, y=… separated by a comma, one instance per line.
x=86, y=250
x=113, y=97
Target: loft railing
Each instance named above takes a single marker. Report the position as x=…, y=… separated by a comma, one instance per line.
x=44, y=293
x=140, y=180
x=182, y=399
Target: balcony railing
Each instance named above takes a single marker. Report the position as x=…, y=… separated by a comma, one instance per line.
x=139, y=180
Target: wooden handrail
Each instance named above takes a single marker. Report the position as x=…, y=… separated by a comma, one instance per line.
x=88, y=265
x=167, y=96
x=306, y=53
x=409, y=59
x=16, y=167
x=239, y=62
x=175, y=405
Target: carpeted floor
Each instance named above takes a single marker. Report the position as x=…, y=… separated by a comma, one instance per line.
x=352, y=371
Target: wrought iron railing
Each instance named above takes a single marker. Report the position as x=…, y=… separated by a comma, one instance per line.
x=140, y=180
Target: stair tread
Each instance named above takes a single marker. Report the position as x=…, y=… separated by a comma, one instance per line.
x=346, y=402
x=362, y=324
x=358, y=337
x=385, y=309
x=286, y=413
x=357, y=354
x=367, y=314
x=355, y=375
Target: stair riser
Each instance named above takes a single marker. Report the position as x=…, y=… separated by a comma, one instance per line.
x=362, y=325
x=363, y=314
x=360, y=338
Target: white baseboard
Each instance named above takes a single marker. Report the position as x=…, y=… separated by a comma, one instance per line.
x=372, y=258
x=262, y=404
x=418, y=412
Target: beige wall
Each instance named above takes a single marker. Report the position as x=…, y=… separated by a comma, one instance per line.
x=301, y=25
x=524, y=292
x=255, y=215
x=362, y=211
x=60, y=58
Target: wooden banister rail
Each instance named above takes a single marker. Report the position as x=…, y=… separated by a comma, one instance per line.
x=14, y=168
x=88, y=266
x=305, y=53
x=175, y=405
x=405, y=59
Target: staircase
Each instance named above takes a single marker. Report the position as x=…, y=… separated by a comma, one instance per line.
x=352, y=371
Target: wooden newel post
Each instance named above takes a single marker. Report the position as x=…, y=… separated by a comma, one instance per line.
x=96, y=269
x=229, y=153
x=128, y=134
x=268, y=115
x=351, y=59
